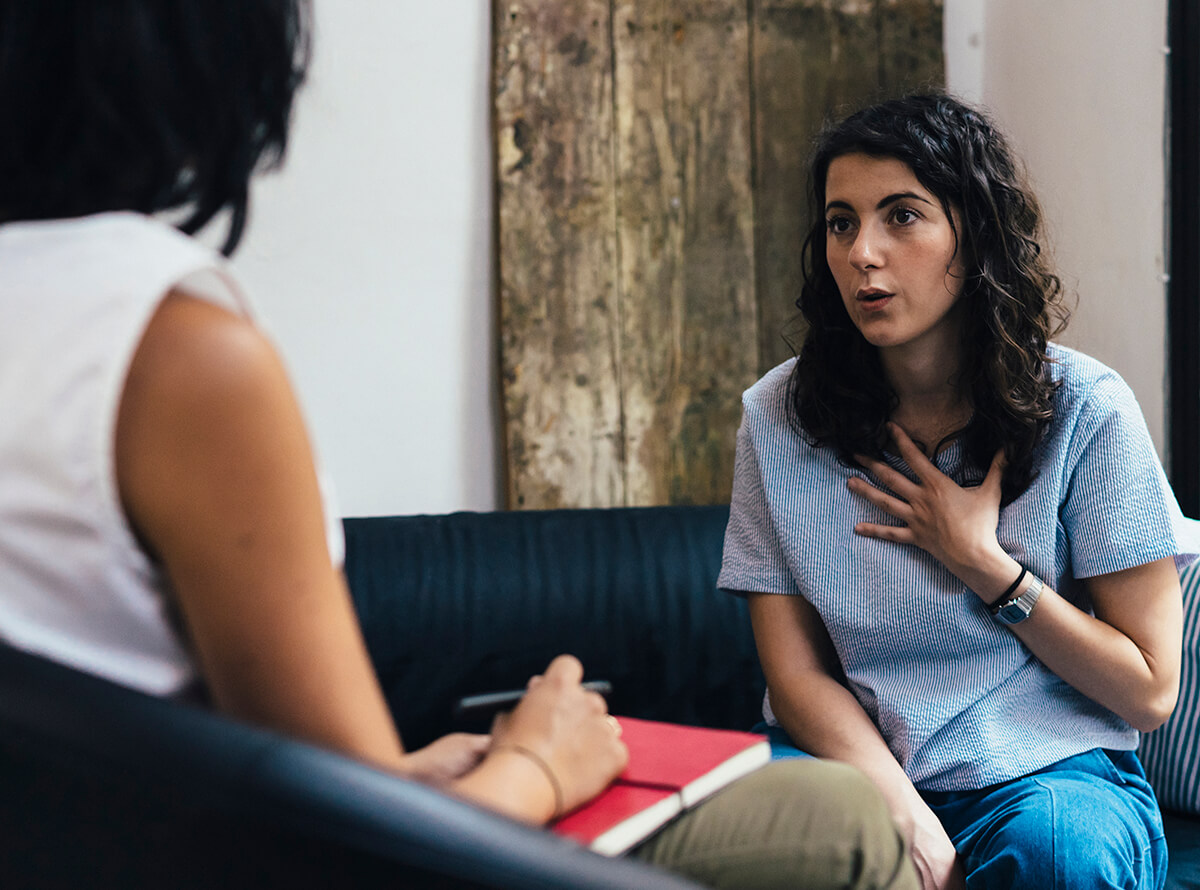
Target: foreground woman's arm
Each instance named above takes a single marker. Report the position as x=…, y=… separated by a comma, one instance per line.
x=216, y=475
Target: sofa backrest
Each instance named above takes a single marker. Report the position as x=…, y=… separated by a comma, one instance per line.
x=472, y=602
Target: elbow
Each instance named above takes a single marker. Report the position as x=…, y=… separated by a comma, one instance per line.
x=1152, y=713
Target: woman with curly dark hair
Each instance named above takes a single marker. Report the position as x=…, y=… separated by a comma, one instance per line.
x=958, y=544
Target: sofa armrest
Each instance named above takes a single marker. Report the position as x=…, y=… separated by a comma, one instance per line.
x=108, y=787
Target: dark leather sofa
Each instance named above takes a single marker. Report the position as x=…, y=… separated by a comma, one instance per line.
x=105, y=787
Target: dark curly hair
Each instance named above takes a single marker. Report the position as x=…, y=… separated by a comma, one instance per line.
x=145, y=105
x=838, y=395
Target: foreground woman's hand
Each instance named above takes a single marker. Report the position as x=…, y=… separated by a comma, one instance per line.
x=569, y=728
x=557, y=750
x=446, y=759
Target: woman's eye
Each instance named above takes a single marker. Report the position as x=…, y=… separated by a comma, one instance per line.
x=837, y=225
x=903, y=216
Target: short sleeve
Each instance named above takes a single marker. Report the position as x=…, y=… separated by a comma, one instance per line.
x=1119, y=510
x=752, y=561
x=335, y=535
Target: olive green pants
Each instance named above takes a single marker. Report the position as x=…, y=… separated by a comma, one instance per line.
x=806, y=823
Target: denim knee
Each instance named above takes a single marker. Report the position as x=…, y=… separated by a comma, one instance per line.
x=1085, y=822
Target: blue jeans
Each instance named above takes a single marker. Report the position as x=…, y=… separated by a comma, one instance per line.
x=1085, y=823
x=1090, y=821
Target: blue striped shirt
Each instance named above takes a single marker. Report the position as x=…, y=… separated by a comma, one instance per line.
x=960, y=700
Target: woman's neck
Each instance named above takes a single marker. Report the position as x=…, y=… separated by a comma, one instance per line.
x=930, y=402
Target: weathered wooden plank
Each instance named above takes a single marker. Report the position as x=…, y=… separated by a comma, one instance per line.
x=814, y=60
x=809, y=58
x=650, y=195
x=685, y=232
x=559, y=331
x=911, y=46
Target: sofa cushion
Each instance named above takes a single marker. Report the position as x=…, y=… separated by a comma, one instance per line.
x=1171, y=753
x=1183, y=846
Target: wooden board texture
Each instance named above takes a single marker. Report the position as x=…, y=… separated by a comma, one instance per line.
x=650, y=192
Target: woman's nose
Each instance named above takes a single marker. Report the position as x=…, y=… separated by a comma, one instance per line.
x=867, y=250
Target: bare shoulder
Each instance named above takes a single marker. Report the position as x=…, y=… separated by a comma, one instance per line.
x=193, y=352
x=208, y=423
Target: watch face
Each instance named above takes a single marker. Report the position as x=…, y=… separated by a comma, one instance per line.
x=1012, y=613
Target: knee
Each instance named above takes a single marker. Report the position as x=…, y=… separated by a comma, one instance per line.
x=840, y=805
x=799, y=823
x=822, y=786
x=1016, y=846
x=1067, y=835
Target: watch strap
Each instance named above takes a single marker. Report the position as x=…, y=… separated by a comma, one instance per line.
x=1020, y=607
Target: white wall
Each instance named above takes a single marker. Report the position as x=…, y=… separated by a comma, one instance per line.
x=369, y=255
x=1079, y=86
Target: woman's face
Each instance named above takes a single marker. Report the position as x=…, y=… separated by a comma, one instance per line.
x=892, y=252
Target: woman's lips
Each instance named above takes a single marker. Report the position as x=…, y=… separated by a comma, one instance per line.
x=871, y=298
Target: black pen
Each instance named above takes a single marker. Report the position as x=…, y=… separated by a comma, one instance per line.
x=474, y=707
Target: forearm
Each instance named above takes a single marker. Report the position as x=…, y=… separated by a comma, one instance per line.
x=1137, y=681
x=512, y=784
x=807, y=696
x=1101, y=662
x=826, y=720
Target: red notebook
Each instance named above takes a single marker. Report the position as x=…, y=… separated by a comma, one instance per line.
x=671, y=768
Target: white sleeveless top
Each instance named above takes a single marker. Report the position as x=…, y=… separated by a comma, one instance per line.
x=75, y=299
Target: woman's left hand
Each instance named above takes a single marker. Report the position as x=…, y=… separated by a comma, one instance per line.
x=955, y=525
x=446, y=759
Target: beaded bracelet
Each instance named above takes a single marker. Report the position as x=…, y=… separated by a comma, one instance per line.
x=540, y=762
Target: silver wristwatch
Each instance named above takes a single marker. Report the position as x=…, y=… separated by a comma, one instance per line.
x=1017, y=609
